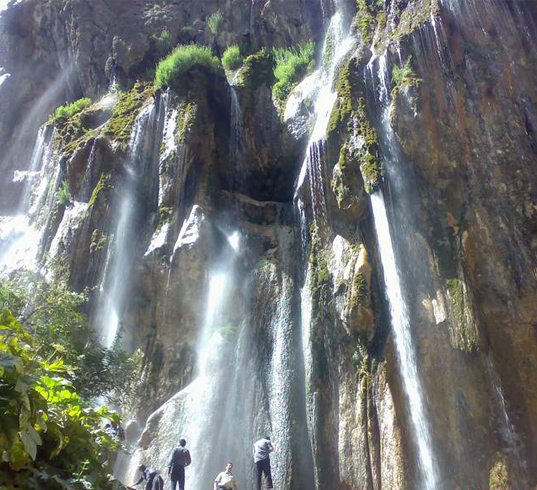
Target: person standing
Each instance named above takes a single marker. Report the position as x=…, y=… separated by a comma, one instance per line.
x=179, y=460
x=262, y=450
x=226, y=480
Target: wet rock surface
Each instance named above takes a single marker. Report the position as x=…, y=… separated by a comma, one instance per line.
x=435, y=106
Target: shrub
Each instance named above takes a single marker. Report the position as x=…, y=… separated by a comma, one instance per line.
x=172, y=69
x=404, y=76
x=63, y=195
x=164, y=42
x=232, y=59
x=53, y=314
x=50, y=437
x=69, y=110
x=215, y=22
x=291, y=66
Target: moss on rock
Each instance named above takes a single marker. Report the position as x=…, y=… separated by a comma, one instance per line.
x=119, y=127
x=258, y=69
x=187, y=115
x=462, y=333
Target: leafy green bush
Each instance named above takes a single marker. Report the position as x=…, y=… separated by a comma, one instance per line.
x=404, y=76
x=232, y=59
x=291, y=66
x=163, y=42
x=49, y=436
x=53, y=315
x=63, y=194
x=172, y=69
x=215, y=22
x=69, y=110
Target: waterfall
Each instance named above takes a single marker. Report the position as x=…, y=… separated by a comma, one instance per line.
x=393, y=282
x=21, y=235
x=119, y=261
x=237, y=148
x=403, y=340
x=321, y=83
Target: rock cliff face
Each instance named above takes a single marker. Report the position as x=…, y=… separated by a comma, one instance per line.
x=249, y=265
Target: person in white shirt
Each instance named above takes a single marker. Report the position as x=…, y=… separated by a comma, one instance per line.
x=226, y=480
x=262, y=450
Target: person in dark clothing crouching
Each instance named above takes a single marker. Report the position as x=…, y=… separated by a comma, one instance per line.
x=179, y=460
x=262, y=450
x=153, y=480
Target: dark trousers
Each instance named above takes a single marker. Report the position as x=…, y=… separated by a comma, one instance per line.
x=261, y=467
x=178, y=477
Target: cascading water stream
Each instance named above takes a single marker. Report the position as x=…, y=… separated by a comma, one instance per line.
x=119, y=261
x=21, y=235
x=400, y=317
x=337, y=45
x=403, y=340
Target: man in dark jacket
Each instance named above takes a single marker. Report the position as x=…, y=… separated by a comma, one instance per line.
x=179, y=459
x=262, y=450
x=153, y=480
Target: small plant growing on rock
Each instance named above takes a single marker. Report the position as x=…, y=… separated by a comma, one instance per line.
x=232, y=59
x=163, y=42
x=291, y=65
x=215, y=23
x=63, y=195
x=68, y=110
x=172, y=69
x=404, y=76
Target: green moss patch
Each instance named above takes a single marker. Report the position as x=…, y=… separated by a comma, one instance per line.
x=186, y=120
x=119, y=127
x=463, y=335
x=104, y=182
x=258, y=70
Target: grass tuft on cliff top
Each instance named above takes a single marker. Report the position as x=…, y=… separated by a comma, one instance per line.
x=172, y=69
x=291, y=66
x=68, y=110
x=232, y=59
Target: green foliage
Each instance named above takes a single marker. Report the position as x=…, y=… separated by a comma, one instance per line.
x=215, y=23
x=347, y=88
x=365, y=20
x=232, y=59
x=228, y=330
x=98, y=240
x=320, y=278
x=291, y=66
x=163, y=42
x=258, y=70
x=50, y=437
x=102, y=184
x=461, y=316
x=69, y=110
x=187, y=116
x=172, y=70
x=165, y=214
x=404, y=77
x=120, y=125
x=359, y=290
x=186, y=34
x=52, y=314
x=63, y=194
